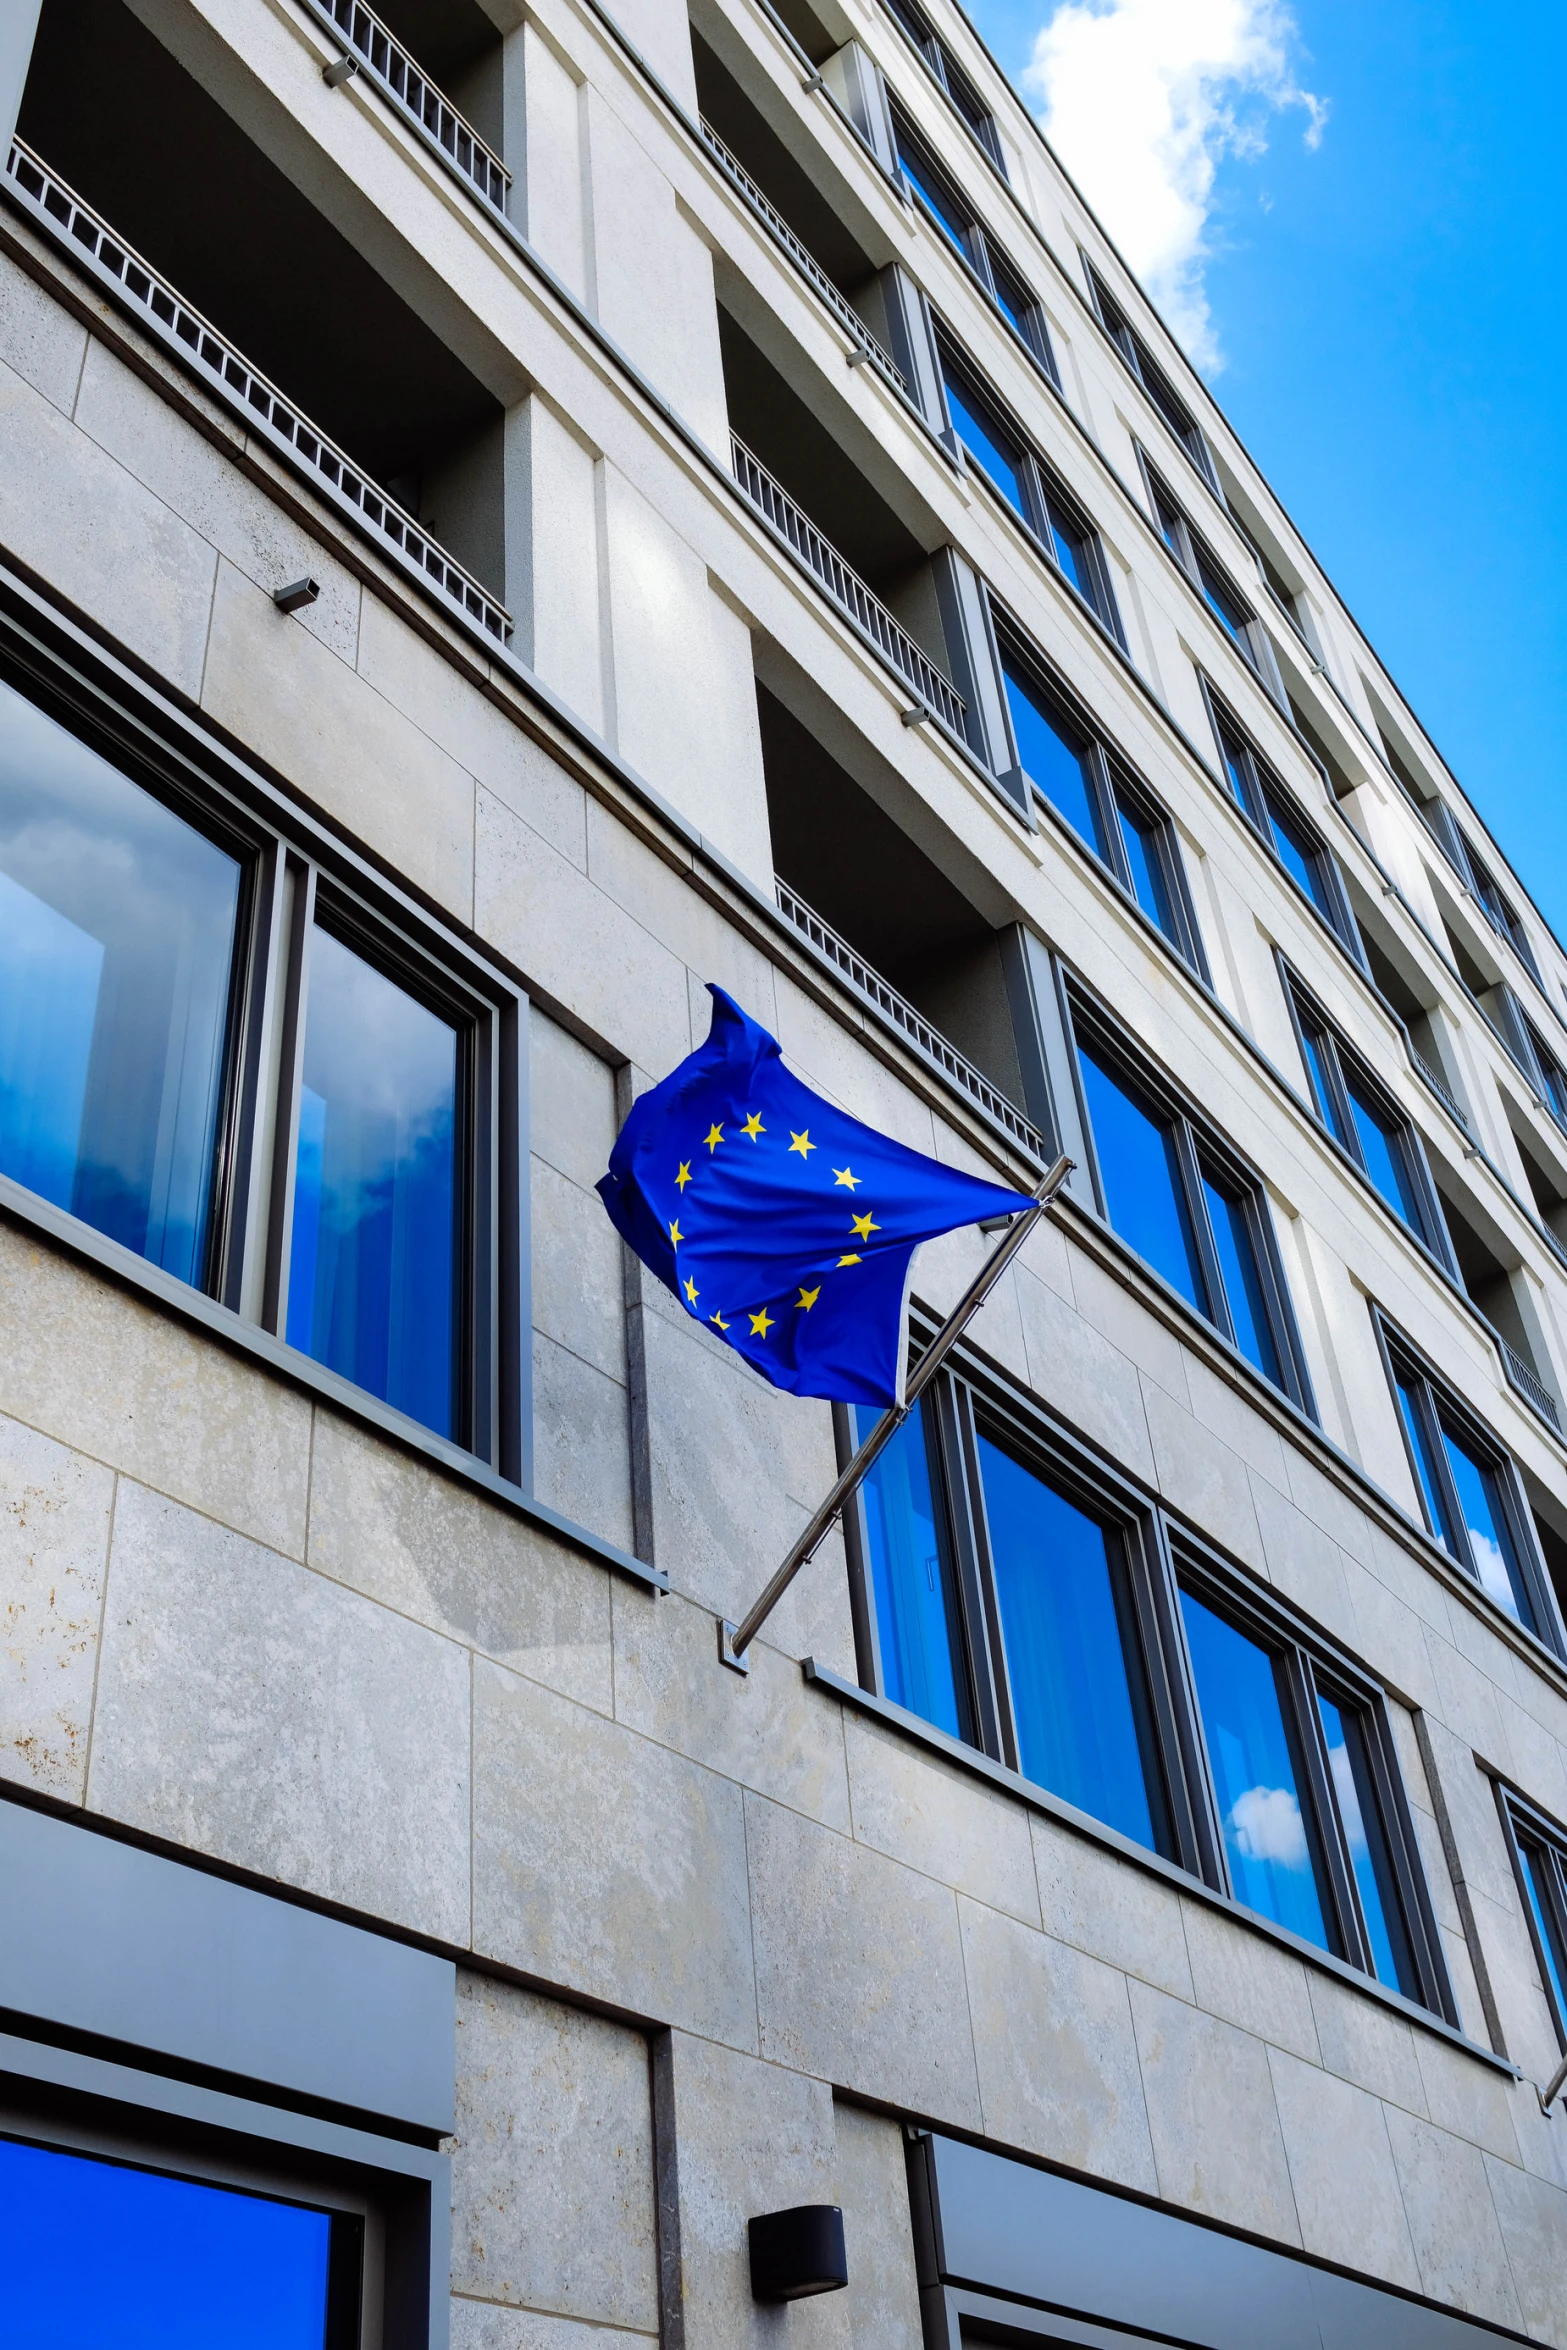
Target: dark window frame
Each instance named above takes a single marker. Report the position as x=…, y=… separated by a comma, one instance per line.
x=1497, y=907
x=1048, y=505
x=1436, y=1401
x=1145, y=370
x=1240, y=625
x=1525, y=1825
x=1155, y=1556
x=1342, y=1063
x=1270, y=807
x=288, y=864
x=993, y=269
x=977, y=118
x=1200, y=1151
x=1109, y=779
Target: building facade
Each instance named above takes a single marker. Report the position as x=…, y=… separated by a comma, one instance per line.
x=512, y=511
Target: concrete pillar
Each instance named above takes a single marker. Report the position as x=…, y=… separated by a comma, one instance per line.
x=18, y=30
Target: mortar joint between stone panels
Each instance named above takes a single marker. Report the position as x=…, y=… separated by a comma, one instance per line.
x=103, y=1622
x=750, y=1913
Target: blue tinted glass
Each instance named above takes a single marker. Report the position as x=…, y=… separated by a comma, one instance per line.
x=1067, y=1663
x=916, y=1615
x=1144, y=1199
x=1382, y=1150
x=1326, y=1099
x=1222, y=605
x=1049, y=760
x=1140, y=838
x=975, y=431
x=1425, y=1468
x=933, y=196
x=1299, y=855
x=1490, y=1544
x=1265, y=1834
x=371, y=1277
x=1363, y=1833
x=102, y=2257
x=117, y=925
x=1071, y=552
x=1534, y=1870
x=1242, y=1281
x=1236, y=767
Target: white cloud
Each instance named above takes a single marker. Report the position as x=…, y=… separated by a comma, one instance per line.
x=1268, y=1826
x=1142, y=99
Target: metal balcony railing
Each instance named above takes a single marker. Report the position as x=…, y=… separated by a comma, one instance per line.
x=804, y=261
x=912, y=1027
x=267, y=416
x=398, y=78
x=1528, y=1385
x=864, y=612
x=1439, y=1087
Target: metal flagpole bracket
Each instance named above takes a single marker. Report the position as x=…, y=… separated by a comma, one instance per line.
x=734, y=1640
x=1553, y=2087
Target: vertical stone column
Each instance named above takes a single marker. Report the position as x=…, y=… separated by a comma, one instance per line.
x=18, y=30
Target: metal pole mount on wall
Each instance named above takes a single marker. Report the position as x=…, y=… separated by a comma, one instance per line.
x=734, y=1640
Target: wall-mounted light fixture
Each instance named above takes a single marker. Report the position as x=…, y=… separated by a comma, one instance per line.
x=797, y=2253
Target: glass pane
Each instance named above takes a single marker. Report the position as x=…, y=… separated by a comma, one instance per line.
x=1536, y=1877
x=103, y=2257
x=1077, y=1695
x=1366, y=1837
x=1299, y=854
x=1266, y=1838
x=1170, y=528
x=981, y=439
x=1015, y=304
x=1426, y=1473
x=1050, y=761
x=1382, y=1151
x=1145, y=863
x=1071, y=552
x=933, y=196
x=911, y=1581
x=1490, y=1543
x=1223, y=605
x=1237, y=766
x=1315, y=1053
x=117, y=926
x=1242, y=1281
x=371, y=1278
x=1144, y=1198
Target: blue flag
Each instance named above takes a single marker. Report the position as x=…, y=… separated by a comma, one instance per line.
x=782, y=1224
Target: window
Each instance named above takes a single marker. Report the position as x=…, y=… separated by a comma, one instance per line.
x=1305, y=858
x=335, y=1184
x=1175, y=1195
x=1004, y=456
x=1152, y=377
x=1361, y=1118
x=949, y=209
x=1469, y=1490
x=1499, y=910
x=1213, y=583
x=977, y=116
x=109, y=2252
x=1553, y=1078
x=1539, y=1854
x=1085, y=783
x=1025, y=1601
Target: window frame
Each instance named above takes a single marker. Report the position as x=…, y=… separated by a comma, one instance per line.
x=986, y=261
x=1523, y=1823
x=1436, y=1400
x=977, y=118
x=1145, y=370
x=1306, y=1013
x=1044, y=497
x=1199, y=1147
x=1108, y=778
x=287, y=861
x=1259, y=792
x=1212, y=581
x=968, y=1398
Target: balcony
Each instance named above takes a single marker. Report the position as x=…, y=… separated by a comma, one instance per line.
x=847, y=592
x=415, y=94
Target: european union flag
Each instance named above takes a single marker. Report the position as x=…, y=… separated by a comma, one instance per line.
x=784, y=1225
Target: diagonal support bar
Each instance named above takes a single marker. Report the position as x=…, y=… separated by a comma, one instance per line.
x=734, y=1640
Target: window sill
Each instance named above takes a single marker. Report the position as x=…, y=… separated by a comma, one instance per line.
x=1066, y=1815
x=21, y=1207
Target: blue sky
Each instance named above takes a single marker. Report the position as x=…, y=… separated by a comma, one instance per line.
x=1388, y=307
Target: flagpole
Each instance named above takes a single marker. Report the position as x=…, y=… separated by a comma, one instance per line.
x=734, y=1640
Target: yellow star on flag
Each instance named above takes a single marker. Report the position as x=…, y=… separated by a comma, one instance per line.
x=691, y=1292
x=675, y=1233
x=806, y=1299
x=846, y=1176
x=864, y=1226
x=760, y=1323
x=718, y=1320
x=753, y=1125
x=801, y=1142
x=684, y=1175
x=713, y=1137
x=848, y=1260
